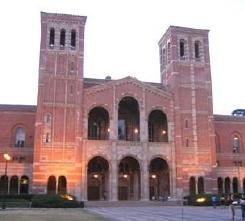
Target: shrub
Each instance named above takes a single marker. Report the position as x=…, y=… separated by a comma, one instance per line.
x=54, y=201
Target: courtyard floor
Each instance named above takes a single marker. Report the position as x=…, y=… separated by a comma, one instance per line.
x=163, y=213
x=166, y=213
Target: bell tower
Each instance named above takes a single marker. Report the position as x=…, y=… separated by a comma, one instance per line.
x=60, y=88
x=185, y=70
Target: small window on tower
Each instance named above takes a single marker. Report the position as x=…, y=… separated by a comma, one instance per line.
x=47, y=138
x=182, y=48
x=51, y=37
x=197, y=50
x=62, y=38
x=73, y=39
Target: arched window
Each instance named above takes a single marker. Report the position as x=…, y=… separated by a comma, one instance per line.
x=235, y=185
x=62, y=37
x=200, y=185
x=168, y=52
x=128, y=119
x=73, y=38
x=3, y=184
x=243, y=185
x=192, y=185
x=51, y=186
x=24, y=185
x=157, y=127
x=62, y=185
x=98, y=124
x=220, y=185
x=51, y=37
x=236, y=144
x=48, y=119
x=217, y=142
x=197, y=50
x=227, y=185
x=14, y=185
x=19, y=137
x=182, y=48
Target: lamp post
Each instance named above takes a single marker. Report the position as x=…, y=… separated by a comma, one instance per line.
x=7, y=158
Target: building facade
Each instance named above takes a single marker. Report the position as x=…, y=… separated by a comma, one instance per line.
x=105, y=139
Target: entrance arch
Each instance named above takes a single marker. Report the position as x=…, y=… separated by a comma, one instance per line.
x=98, y=177
x=159, y=179
x=129, y=179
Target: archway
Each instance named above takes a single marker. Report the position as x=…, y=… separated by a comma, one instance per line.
x=98, y=124
x=24, y=185
x=129, y=179
x=128, y=119
x=220, y=185
x=159, y=179
x=235, y=185
x=13, y=189
x=192, y=185
x=200, y=185
x=227, y=185
x=98, y=178
x=157, y=127
x=62, y=185
x=51, y=186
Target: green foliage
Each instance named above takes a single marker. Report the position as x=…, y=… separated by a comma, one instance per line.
x=54, y=201
x=192, y=199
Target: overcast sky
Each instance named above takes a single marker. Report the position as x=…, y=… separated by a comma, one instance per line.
x=121, y=39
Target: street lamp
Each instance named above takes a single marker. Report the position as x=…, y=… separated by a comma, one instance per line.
x=7, y=158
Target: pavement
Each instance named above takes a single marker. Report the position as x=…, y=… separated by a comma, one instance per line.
x=166, y=213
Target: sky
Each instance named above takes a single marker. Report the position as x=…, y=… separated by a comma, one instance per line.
x=121, y=39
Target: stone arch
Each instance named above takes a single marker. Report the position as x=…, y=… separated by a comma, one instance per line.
x=129, y=182
x=200, y=185
x=51, y=185
x=157, y=126
x=24, y=184
x=235, y=188
x=159, y=179
x=62, y=185
x=13, y=185
x=98, y=178
x=192, y=185
x=220, y=185
x=98, y=124
x=227, y=185
x=129, y=119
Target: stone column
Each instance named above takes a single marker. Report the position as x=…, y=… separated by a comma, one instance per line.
x=144, y=181
x=143, y=121
x=114, y=180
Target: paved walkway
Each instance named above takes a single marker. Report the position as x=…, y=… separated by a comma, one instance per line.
x=167, y=213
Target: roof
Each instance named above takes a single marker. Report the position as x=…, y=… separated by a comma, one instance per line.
x=229, y=118
x=16, y=107
x=89, y=82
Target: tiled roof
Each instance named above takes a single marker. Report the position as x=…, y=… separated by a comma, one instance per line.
x=16, y=107
x=89, y=82
x=228, y=118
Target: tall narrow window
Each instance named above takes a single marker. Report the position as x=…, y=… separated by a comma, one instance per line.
x=168, y=52
x=182, y=48
x=20, y=137
x=73, y=39
x=236, y=144
x=62, y=37
x=51, y=37
x=197, y=49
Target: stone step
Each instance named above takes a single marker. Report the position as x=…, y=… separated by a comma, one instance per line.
x=90, y=204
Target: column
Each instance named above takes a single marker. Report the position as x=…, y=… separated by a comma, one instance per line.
x=144, y=182
x=114, y=181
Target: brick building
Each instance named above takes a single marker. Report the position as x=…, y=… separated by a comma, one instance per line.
x=105, y=139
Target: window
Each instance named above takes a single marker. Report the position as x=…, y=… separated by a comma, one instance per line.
x=186, y=124
x=187, y=142
x=168, y=52
x=20, y=137
x=51, y=185
x=236, y=144
x=62, y=37
x=51, y=37
x=73, y=39
x=182, y=48
x=48, y=118
x=47, y=138
x=197, y=50
x=121, y=130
